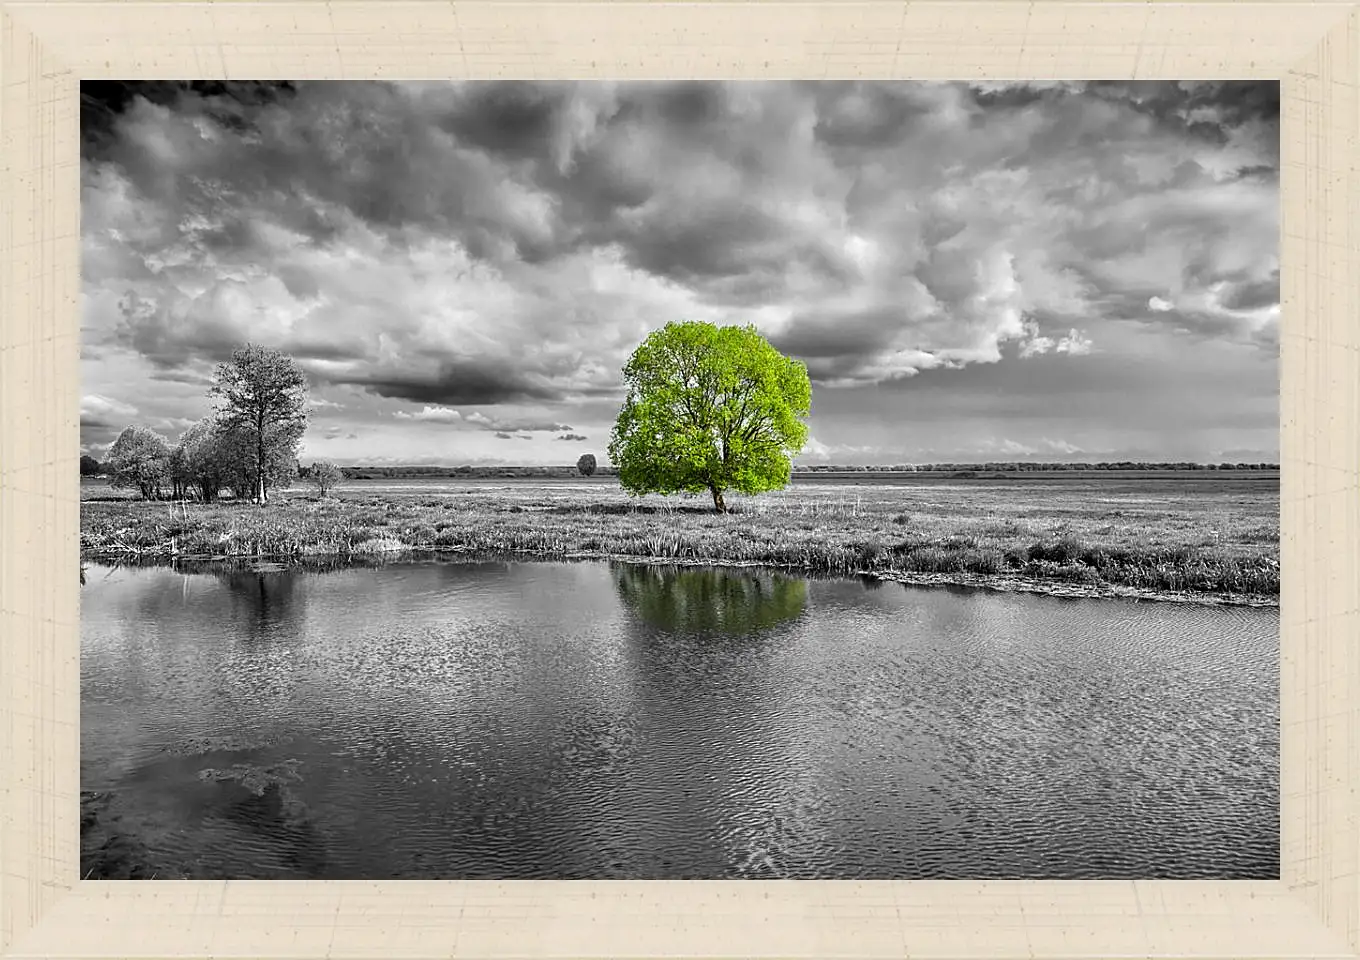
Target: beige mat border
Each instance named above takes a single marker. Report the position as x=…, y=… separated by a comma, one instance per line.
x=46, y=47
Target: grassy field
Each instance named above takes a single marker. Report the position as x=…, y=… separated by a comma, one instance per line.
x=1210, y=536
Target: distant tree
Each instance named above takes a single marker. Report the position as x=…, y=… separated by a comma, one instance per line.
x=204, y=458
x=324, y=475
x=139, y=460
x=586, y=465
x=709, y=409
x=263, y=408
x=89, y=466
x=179, y=476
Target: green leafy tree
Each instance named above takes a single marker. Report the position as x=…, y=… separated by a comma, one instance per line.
x=139, y=459
x=263, y=410
x=586, y=465
x=728, y=602
x=711, y=409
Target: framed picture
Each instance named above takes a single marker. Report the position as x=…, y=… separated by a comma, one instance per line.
x=595, y=479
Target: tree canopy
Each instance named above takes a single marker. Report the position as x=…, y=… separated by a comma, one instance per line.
x=586, y=464
x=203, y=458
x=262, y=415
x=139, y=459
x=711, y=409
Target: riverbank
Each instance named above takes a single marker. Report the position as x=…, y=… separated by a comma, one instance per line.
x=1159, y=542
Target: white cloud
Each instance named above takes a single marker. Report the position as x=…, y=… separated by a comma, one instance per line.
x=96, y=407
x=1075, y=344
x=430, y=414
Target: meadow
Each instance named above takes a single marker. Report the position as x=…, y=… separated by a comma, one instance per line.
x=1172, y=535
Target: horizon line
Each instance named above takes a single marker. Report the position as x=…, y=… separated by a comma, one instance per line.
x=852, y=467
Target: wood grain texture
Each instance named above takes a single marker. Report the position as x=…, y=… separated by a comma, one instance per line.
x=1320, y=456
x=843, y=38
x=44, y=47
x=39, y=508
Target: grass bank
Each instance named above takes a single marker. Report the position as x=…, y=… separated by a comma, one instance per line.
x=1213, y=540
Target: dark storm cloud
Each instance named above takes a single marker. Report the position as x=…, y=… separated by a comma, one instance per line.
x=1220, y=104
x=462, y=382
x=508, y=244
x=1253, y=294
x=855, y=334
x=512, y=119
x=230, y=103
x=868, y=116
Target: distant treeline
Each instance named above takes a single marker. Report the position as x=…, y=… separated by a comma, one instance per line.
x=91, y=467
x=414, y=472
x=1022, y=467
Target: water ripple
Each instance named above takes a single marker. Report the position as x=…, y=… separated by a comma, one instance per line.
x=592, y=720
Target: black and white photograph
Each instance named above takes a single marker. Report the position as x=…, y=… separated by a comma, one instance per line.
x=632, y=480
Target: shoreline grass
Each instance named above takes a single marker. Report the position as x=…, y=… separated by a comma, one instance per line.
x=1218, y=543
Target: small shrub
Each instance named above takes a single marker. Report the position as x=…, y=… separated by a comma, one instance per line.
x=325, y=476
x=1064, y=550
x=1097, y=558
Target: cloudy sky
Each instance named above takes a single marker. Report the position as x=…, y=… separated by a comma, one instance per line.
x=1046, y=271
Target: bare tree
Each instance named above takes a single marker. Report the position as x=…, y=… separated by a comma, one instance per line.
x=325, y=475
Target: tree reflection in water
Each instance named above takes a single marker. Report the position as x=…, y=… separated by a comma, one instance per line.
x=706, y=600
x=263, y=601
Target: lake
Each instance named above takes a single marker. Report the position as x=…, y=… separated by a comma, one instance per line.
x=604, y=720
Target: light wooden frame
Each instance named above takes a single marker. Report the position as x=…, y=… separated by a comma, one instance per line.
x=47, y=47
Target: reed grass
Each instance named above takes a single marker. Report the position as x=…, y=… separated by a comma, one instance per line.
x=1162, y=539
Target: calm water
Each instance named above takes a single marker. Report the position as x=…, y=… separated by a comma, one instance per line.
x=548, y=720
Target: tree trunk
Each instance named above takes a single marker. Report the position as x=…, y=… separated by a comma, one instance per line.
x=718, y=503
x=260, y=493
